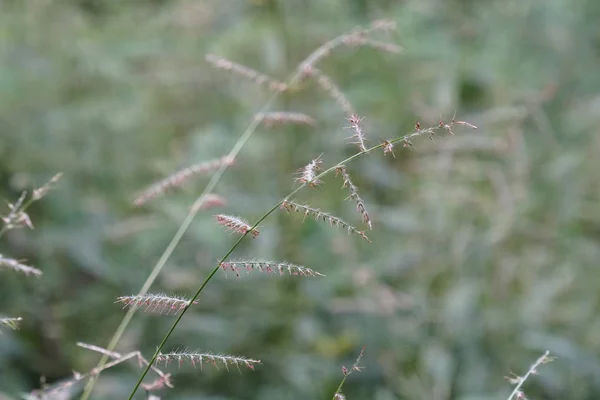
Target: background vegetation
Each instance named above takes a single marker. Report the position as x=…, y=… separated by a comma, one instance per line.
x=485, y=244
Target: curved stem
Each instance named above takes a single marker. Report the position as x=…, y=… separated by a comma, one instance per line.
x=276, y=206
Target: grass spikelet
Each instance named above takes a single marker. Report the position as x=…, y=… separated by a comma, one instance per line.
x=346, y=39
x=347, y=372
x=359, y=39
x=360, y=205
x=268, y=267
x=308, y=174
x=211, y=200
x=179, y=178
x=19, y=267
x=270, y=119
x=319, y=215
x=358, y=135
x=330, y=88
x=199, y=358
x=518, y=381
x=10, y=323
x=462, y=123
x=236, y=224
x=156, y=303
x=17, y=217
x=388, y=148
x=43, y=190
x=246, y=72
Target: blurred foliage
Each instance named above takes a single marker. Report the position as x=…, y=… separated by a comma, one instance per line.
x=484, y=244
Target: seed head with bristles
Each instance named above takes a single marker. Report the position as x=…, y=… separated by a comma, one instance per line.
x=270, y=119
x=308, y=174
x=358, y=135
x=388, y=148
x=45, y=188
x=179, y=178
x=17, y=217
x=518, y=381
x=236, y=224
x=156, y=303
x=329, y=87
x=211, y=200
x=319, y=215
x=463, y=123
x=268, y=267
x=199, y=358
x=19, y=267
x=346, y=39
x=360, y=204
x=249, y=73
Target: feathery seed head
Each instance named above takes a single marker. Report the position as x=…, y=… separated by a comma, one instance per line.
x=319, y=215
x=388, y=147
x=333, y=90
x=348, y=38
x=279, y=117
x=17, y=217
x=44, y=189
x=360, y=204
x=236, y=224
x=268, y=267
x=249, y=73
x=19, y=267
x=156, y=303
x=198, y=358
x=463, y=123
x=211, y=200
x=518, y=381
x=179, y=178
x=359, y=135
x=308, y=174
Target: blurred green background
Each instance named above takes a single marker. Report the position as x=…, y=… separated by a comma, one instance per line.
x=485, y=245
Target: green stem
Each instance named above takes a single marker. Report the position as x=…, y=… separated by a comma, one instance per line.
x=276, y=206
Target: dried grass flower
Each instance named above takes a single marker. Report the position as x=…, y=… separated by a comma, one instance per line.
x=156, y=303
x=268, y=267
x=236, y=224
x=200, y=358
x=319, y=215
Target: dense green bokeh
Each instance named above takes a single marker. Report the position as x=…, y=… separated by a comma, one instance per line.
x=484, y=247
